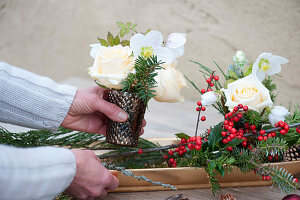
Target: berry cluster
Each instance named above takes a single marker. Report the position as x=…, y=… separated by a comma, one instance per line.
x=210, y=83
x=298, y=129
x=183, y=146
x=202, y=108
x=284, y=127
x=230, y=132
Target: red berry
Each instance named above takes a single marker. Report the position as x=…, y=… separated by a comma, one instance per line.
x=260, y=138
x=231, y=123
x=236, y=119
x=174, y=165
x=198, y=142
x=276, y=125
x=223, y=133
x=171, y=160
x=250, y=147
x=209, y=89
x=203, y=91
x=265, y=138
x=183, y=140
x=140, y=151
x=229, y=148
x=176, y=149
x=199, y=103
x=273, y=133
x=225, y=122
x=190, y=146
x=253, y=127
x=233, y=130
x=171, y=153
x=247, y=125
x=295, y=180
x=240, y=106
x=203, y=108
x=193, y=139
x=229, y=139
x=165, y=156
x=182, y=147
x=203, y=118
x=232, y=136
x=262, y=132
x=245, y=108
x=211, y=84
x=184, y=150
x=225, y=141
x=208, y=80
x=276, y=157
x=229, y=128
x=254, y=131
x=282, y=132
x=240, y=115
x=216, y=78
x=230, y=114
x=269, y=135
x=180, y=153
x=270, y=158
x=281, y=124
x=198, y=108
x=236, y=108
x=198, y=147
x=244, y=143
x=286, y=128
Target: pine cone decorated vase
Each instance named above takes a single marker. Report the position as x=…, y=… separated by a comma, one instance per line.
x=125, y=133
x=292, y=154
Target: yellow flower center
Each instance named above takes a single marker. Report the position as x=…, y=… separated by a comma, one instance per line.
x=146, y=52
x=264, y=64
x=265, y=68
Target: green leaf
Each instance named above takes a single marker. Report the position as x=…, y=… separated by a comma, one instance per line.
x=148, y=31
x=128, y=24
x=214, y=135
x=232, y=74
x=122, y=32
x=127, y=30
x=103, y=42
x=125, y=43
x=117, y=40
x=193, y=84
x=134, y=25
x=121, y=24
x=220, y=170
x=110, y=39
x=220, y=69
x=182, y=135
x=234, y=143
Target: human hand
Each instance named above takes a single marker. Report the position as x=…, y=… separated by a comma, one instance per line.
x=89, y=111
x=91, y=180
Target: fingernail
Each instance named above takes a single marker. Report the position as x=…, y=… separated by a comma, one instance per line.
x=122, y=116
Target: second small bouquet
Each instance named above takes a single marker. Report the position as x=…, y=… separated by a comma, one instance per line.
x=134, y=71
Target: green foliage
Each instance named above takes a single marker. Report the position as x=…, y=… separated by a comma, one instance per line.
x=253, y=117
x=182, y=135
x=272, y=146
x=212, y=179
x=270, y=86
x=292, y=137
x=142, y=82
x=214, y=136
x=126, y=28
x=34, y=138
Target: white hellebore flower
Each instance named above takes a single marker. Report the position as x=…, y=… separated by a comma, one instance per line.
x=240, y=58
x=277, y=114
x=111, y=65
x=269, y=64
x=247, y=91
x=150, y=44
x=208, y=98
x=175, y=42
x=169, y=83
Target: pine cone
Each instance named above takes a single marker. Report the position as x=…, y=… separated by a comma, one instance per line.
x=292, y=154
x=227, y=196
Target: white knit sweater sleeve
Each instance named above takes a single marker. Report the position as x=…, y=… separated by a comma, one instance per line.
x=31, y=100
x=35, y=173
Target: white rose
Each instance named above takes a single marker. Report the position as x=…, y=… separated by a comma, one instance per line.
x=247, y=91
x=277, y=114
x=169, y=83
x=208, y=98
x=111, y=65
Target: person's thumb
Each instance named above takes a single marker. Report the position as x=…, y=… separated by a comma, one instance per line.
x=111, y=110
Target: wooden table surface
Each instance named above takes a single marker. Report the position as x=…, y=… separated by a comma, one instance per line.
x=241, y=193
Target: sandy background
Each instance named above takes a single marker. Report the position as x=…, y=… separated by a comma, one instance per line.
x=51, y=37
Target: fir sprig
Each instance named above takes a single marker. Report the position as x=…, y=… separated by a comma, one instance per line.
x=142, y=82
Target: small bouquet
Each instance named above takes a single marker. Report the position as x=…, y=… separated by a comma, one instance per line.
x=135, y=70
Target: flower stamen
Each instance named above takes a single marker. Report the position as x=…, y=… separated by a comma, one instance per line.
x=146, y=52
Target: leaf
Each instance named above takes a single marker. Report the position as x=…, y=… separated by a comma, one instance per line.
x=122, y=32
x=127, y=30
x=182, y=135
x=232, y=74
x=148, y=31
x=220, y=69
x=128, y=24
x=103, y=42
x=125, y=43
x=234, y=142
x=110, y=39
x=117, y=40
x=134, y=25
x=220, y=170
x=121, y=24
x=214, y=135
x=193, y=84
